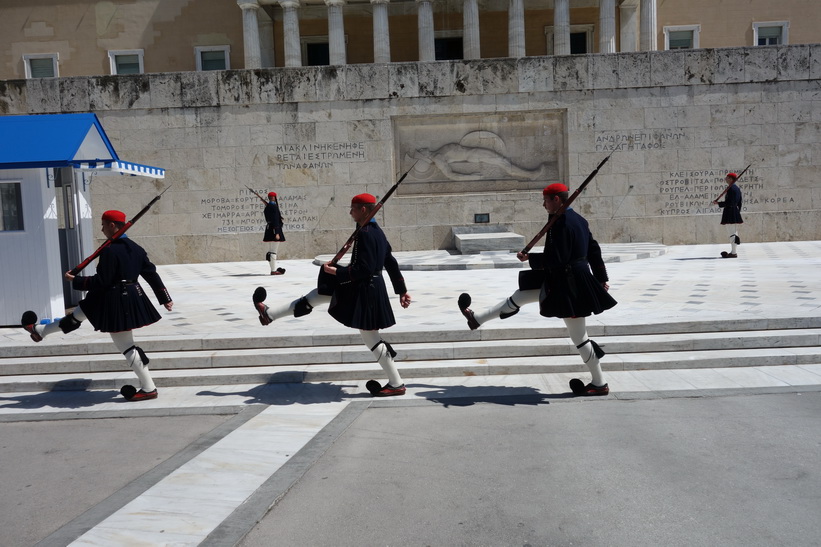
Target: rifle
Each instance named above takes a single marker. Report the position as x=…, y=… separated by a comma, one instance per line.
x=563, y=208
x=327, y=282
x=265, y=201
x=728, y=186
x=79, y=267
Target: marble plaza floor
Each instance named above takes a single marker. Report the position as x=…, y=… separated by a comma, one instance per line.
x=280, y=429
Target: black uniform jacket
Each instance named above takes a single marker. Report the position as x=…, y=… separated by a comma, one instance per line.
x=569, y=287
x=731, y=206
x=361, y=299
x=273, y=224
x=115, y=301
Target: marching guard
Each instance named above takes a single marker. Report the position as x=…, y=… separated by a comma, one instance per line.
x=356, y=294
x=568, y=280
x=731, y=214
x=273, y=232
x=115, y=301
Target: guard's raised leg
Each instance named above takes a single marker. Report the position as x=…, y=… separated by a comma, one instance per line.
x=590, y=353
x=384, y=354
x=296, y=308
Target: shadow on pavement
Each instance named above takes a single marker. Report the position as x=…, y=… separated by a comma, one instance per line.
x=500, y=395
x=287, y=394
x=67, y=396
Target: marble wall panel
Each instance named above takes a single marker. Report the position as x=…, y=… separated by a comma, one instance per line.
x=634, y=70
x=794, y=62
x=439, y=78
x=266, y=86
x=815, y=61
x=403, y=80
x=498, y=78
x=42, y=95
x=366, y=82
x=119, y=92
x=571, y=72
x=669, y=69
x=701, y=66
x=535, y=74
x=777, y=133
x=74, y=95
x=604, y=74
x=332, y=83
x=299, y=84
x=761, y=64
x=745, y=135
x=166, y=90
x=320, y=135
x=13, y=96
x=729, y=65
x=235, y=86
x=199, y=89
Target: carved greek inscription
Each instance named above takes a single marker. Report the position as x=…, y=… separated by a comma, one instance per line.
x=607, y=141
x=317, y=155
x=693, y=192
x=243, y=213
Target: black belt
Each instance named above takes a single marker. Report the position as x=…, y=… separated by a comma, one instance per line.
x=566, y=267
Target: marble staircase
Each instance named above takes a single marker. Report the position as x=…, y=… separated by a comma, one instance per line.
x=421, y=354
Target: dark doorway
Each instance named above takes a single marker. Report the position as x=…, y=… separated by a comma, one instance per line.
x=448, y=49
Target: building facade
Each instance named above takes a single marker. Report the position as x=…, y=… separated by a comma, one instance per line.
x=92, y=38
x=480, y=136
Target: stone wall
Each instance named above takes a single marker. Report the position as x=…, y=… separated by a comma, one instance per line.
x=482, y=137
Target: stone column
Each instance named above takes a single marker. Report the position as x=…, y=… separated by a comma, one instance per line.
x=561, y=27
x=470, y=29
x=336, y=32
x=290, y=24
x=425, y=19
x=381, y=32
x=629, y=24
x=648, y=40
x=250, y=33
x=516, y=29
x=607, y=26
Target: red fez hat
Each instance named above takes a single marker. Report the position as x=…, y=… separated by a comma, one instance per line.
x=732, y=176
x=363, y=199
x=553, y=189
x=114, y=216
x=272, y=195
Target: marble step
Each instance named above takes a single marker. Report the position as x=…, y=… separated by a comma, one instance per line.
x=783, y=341
x=492, y=368
x=259, y=338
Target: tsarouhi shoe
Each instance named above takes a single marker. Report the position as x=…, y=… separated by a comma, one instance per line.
x=578, y=388
x=144, y=395
x=384, y=391
x=259, y=304
x=464, y=302
x=725, y=254
x=29, y=321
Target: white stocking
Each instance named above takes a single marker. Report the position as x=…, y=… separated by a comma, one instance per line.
x=125, y=343
x=54, y=326
x=285, y=310
x=577, y=328
x=508, y=305
x=733, y=229
x=374, y=341
x=272, y=256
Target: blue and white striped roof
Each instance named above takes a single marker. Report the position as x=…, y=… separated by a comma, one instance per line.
x=122, y=167
x=63, y=140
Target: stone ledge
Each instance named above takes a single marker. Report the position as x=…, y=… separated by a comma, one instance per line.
x=491, y=241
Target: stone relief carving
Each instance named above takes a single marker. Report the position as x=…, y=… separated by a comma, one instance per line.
x=480, y=153
x=456, y=161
